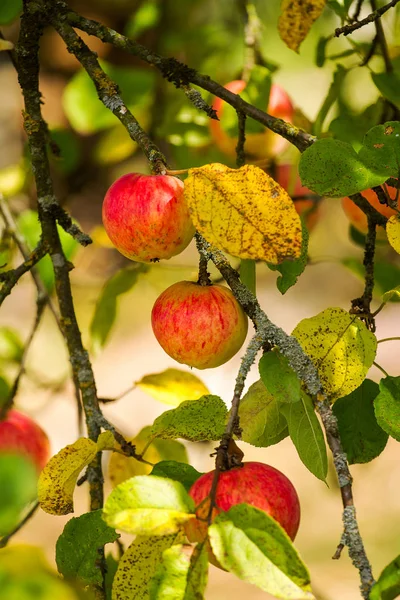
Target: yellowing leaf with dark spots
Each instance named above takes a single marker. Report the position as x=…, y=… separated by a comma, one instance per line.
x=173, y=386
x=340, y=346
x=393, y=232
x=58, y=479
x=296, y=19
x=244, y=212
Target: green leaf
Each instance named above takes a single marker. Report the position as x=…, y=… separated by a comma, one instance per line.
x=138, y=565
x=351, y=127
x=173, y=386
x=180, y=576
x=77, y=548
x=144, y=18
x=9, y=11
x=247, y=271
x=333, y=168
x=362, y=438
x=146, y=505
x=185, y=474
x=28, y=224
x=18, y=478
x=194, y=420
x=106, y=306
x=386, y=276
x=389, y=86
x=306, y=434
x=331, y=97
x=85, y=111
x=387, y=406
x=340, y=346
x=252, y=545
x=320, y=56
x=261, y=422
x=4, y=390
x=388, y=585
x=381, y=148
x=112, y=566
x=279, y=378
x=11, y=345
x=291, y=270
x=70, y=151
x=392, y=295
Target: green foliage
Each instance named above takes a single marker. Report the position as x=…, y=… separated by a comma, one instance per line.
x=11, y=345
x=290, y=270
x=194, y=420
x=29, y=226
x=145, y=17
x=146, y=505
x=306, y=434
x=247, y=272
x=112, y=566
x=106, y=307
x=389, y=86
x=279, y=378
x=9, y=11
x=252, y=545
x=4, y=390
x=387, y=406
x=178, y=576
x=388, y=585
x=387, y=275
x=81, y=105
x=362, y=437
x=77, y=548
x=185, y=474
x=69, y=156
x=18, y=479
x=331, y=97
x=260, y=419
x=351, y=127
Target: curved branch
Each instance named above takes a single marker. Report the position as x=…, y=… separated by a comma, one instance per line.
x=347, y=29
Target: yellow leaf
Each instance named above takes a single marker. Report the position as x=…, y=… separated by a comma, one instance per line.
x=244, y=212
x=121, y=468
x=340, y=346
x=100, y=238
x=387, y=296
x=296, y=19
x=138, y=565
x=58, y=479
x=393, y=232
x=173, y=386
x=6, y=45
x=106, y=441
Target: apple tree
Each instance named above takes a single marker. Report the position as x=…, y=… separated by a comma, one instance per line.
x=239, y=169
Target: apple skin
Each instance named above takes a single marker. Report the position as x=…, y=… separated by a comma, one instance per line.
x=19, y=434
x=146, y=217
x=199, y=326
x=254, y=483
x=304, y=206
x=359, y=220
x=258, y=145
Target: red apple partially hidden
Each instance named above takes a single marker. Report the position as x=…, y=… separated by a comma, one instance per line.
x=200, y=326
x=146, y=217
x=258, y=145
x=19, y=434
x=305, y=201
x=359, y=219
x=254, y=483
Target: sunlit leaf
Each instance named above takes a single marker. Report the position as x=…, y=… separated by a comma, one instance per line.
x=306, y=434
x=260, y=419
x=77, y=547
x=122, y=467
x=181, y=575
x=138, y=565
x=253, y=546
x=173, y=386
x=244, y=211
x=387, y=406
x=362, y=438
x=296, y=19
x=391, y=295
x=146, y=505
x=194, y=420
x=340, y=346
x=393, y=232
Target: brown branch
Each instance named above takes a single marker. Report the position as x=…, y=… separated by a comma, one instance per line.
x=10, y=278
x=377, y=14
x=181, y=75
x=380, y=34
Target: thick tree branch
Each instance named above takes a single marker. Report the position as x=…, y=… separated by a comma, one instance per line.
x=376, y=14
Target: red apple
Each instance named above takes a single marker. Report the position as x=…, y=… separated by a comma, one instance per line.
x=200, y=326
x=254, y=483
x=19, y=434
x=258, y=145
x=146, y=217
x=305, y=201
x=359, y=220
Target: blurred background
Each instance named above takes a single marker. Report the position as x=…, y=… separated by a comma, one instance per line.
x=91, y=150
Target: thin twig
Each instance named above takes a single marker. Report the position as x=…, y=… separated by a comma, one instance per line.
x=382, y=40
x=4, y=540
x=362, y=305
x=389, y=339
x=10, y=278
x=386, y=374
x=347, y=29
x=240, y=153
x=357, y=11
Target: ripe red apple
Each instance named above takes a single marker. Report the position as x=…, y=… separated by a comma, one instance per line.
x=307, y=206
x=259, y=145
x=19, y=434
x=200, y=326
x=146, y=216
x=359, y=220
